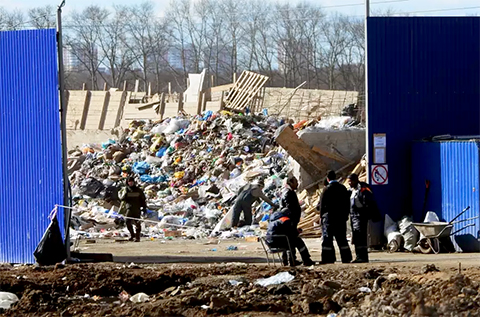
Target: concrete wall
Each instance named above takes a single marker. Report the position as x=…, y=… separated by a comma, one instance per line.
x=304, y=104
x=80, y=137
x=349, y=143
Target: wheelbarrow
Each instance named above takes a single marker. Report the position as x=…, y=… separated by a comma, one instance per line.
x=433, y=231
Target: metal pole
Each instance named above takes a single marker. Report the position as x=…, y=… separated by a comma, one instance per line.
x=63, y=127
x=367, y=15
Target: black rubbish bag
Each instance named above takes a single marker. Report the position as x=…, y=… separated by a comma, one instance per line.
x=51, y=249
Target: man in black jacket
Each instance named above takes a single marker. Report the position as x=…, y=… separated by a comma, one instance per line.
x=362, y=208
x=334, y=209
x=134, y=199
x=290, y=201
x=281, y=225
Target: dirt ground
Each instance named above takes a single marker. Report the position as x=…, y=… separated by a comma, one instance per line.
x=397, y=284
x=201, y=290
x=216, y=251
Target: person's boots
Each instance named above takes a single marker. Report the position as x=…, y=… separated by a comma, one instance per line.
x=307, y=260
x=137, y=236
x=285, y=258
x=346, y=254
x=292, y=259
x=361, y=255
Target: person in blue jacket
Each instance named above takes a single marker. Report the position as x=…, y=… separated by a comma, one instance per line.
x=280, y=226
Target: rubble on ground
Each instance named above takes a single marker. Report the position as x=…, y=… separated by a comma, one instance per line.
x=190, y=168
x=188, y=290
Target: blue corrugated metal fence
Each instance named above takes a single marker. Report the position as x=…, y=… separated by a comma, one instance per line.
x=30, y=158
x=424, y=79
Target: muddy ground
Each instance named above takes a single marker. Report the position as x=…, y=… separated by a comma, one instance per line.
x=187, y=290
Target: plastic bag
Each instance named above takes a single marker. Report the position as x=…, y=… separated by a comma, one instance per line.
x=153, y=179
x=225, y=223
x=431, y=217
x=159, y=129
x=279, y=278
x=7, y=299
x=394, y=237
x=409, y=233
x=167, y=221
x=141, y=168
x=140, y=298
x=51, y=249
x=91, y=187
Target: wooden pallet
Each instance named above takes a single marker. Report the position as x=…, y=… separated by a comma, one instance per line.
x=245, y=90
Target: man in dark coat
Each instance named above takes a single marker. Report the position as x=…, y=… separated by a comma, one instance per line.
x=334, y=208
x=134, y=201
x=281, y=225
x=248, y=195
x=362, y=208
x=290, y=201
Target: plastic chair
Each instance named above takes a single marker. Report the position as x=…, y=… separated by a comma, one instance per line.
x=272, y=251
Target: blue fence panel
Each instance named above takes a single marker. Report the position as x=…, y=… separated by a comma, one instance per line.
x=30, y=159
x=460, y=182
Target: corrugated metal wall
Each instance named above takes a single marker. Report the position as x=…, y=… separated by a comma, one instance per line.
x=30, y=158
x=426, y=165
x=452, y=167
x=423, y=80
x=460, y=182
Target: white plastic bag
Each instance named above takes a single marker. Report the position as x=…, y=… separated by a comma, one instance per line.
x=409, y=233
x=431, y=217
x=280, y=278
x=140, y=298
x=7, y=299
x=394, y=237
x=167, y=221
x=225, y=223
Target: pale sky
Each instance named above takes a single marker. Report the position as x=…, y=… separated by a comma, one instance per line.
x=347, y=7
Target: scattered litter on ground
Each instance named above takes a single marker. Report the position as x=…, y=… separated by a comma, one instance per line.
x=140, y=298
x=7, y=299
x=280, y=278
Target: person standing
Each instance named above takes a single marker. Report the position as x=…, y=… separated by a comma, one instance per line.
x=289, y=200
x=362, y=208
x=134, y=199
x=334, y=208
x=248, y=195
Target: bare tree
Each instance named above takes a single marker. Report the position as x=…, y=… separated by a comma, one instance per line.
x=112, y=43
x=11, y=20
x=141, y=21
x=83, y=40
x=42, y=17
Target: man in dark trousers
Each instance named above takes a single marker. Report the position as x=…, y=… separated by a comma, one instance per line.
x=289, y=200
x=334, y=208
x=248, y=195
x=362, y=209
x=134, y=201
x=281, y=225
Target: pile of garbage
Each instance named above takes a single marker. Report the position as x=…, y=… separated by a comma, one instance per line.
x=190, y=168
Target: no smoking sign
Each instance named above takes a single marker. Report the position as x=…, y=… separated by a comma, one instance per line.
x=379, y=174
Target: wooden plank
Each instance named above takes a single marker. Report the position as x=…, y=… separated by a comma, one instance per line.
x=147, y=105
x=246, y=91
x=243, y=90
x=301, y=152
x=331, y=155
x=103, y=115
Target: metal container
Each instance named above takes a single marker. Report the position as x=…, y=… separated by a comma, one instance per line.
x=452, y=169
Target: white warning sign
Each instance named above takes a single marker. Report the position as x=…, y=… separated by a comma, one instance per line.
x=379, y=174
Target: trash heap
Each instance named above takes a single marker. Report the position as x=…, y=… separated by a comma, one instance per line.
x=190, y=168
